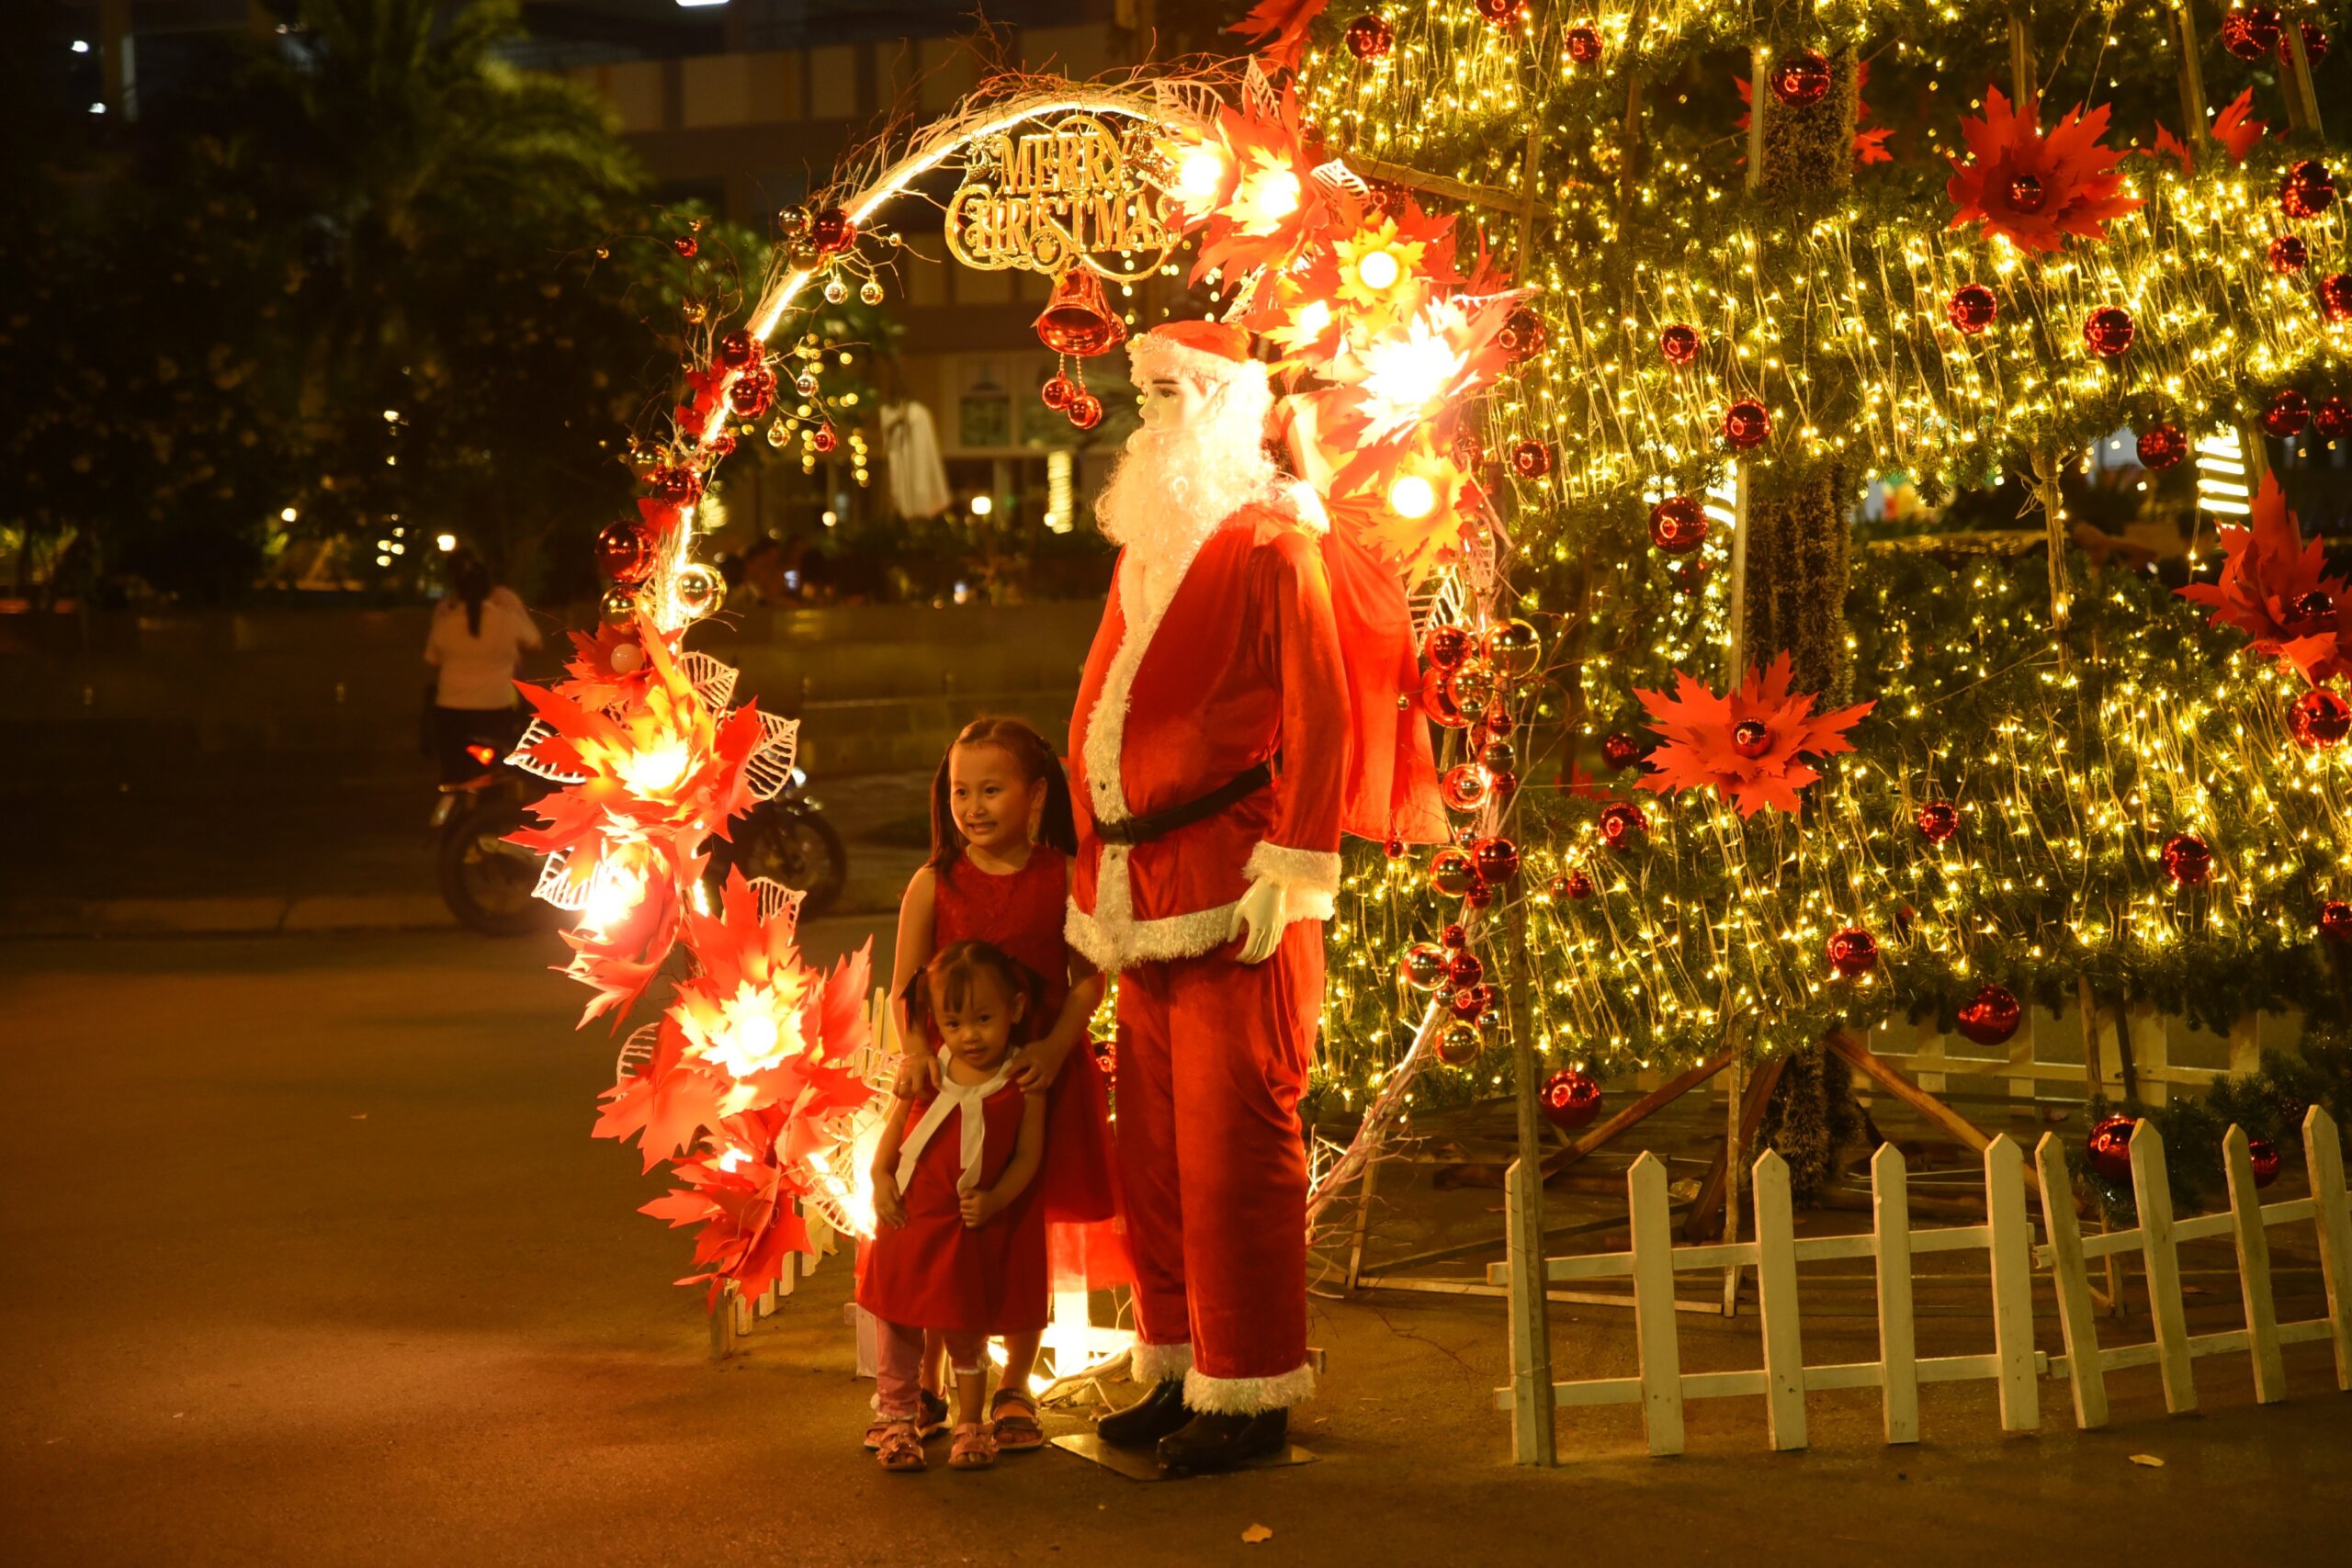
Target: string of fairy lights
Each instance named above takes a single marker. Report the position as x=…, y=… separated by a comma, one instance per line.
x=2125, y=807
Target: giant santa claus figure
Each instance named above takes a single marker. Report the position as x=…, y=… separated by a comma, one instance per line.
x=1216, y=749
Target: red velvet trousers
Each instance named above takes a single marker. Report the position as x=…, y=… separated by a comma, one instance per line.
x=1212, y=1060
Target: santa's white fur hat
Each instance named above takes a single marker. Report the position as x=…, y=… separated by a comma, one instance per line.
x=1204, y=351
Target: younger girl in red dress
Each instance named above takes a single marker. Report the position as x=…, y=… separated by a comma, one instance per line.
x=960, y=1243
x=1001, y=838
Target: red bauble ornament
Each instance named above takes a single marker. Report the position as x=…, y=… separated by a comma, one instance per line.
x=1394, y=848
x=1621, y=750
x=2027, y=194
x=1499, y=757
x=1938, y=820
x=1623, y=825
x=1371, y=38
x=1973, y=307
x=2308, y=190
x=1453, y=935
x=832, y=231
x=2335, y=295
x=2187, y=860
x=1451, y=873
x=1058, y=393
x=1578, y=886
x=1751, y=737
x=1446, y=647
x=1085, y=411
x=1570, y=1100
x=2289, y=254
x=625, y=553
x=2262, y=1156
x=1530, y=458
x=738, y=349
x=1678, y=345
x=1471, y=1002
x=2314, y=44
x=1437, y=701
x=2311, y=612
x=2162, y=446
x=2335, y=920
x=2287, y=414
x=1746, y=423
x=1463, y=786
x=1496, y=859
x=1524, y=333
x=825, y=439
x=2109, y=1148
x=2333, y=418
x=1801, y=80
x=1459, y=1043
x=2251, y=32
x=1853, y=952
x=686, y=245
x=719, y=445
x=1078, y=319
x=1584, y=45
x=2319, y=718
x=1991, y=1016
x=2108, y=330
x=1678, y=525
x=1462, y=970
x=754, y=392
x=1423, y=966
x=1499, y=11
x=674, y=487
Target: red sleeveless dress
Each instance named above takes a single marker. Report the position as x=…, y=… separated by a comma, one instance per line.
x=934, y=1271
x=1023, y=914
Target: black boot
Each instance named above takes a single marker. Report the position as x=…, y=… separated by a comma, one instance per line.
x=1220, y=1442
x=1149, y=1419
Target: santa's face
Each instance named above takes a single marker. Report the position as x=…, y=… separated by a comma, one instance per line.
x=1174, y=402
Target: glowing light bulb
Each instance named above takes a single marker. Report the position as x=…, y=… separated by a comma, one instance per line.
x=1199, y=175
x=654, y=769
x=1412, y=496
x=1378, y=271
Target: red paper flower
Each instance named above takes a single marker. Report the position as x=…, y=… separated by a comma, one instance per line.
x=2274, y=587
x=2235, y=128
x=1280, y=27
x=1746, y=745
x=1265, y=206
x=2032, y=189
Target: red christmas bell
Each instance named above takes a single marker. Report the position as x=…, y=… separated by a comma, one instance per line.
x=2335, y=295
x=1371, y=38
x=1938, y=820
x=1451, y=872
x=1085, y=411
x=1530, y=458
x=2287, y=414
x=1459, y=1043
x=1445, y=647
x=2289, y=254
x=1523, y=334
x=2109, y=1148
x=2333, y=418
x=1570, y=1100
x=1621, y=750
x=1496, y=859
x=1423, y=966
x=1973, y=307
x=1499, y=11
x=1058, y=393
x=1853, y=952
x=2162, y=446
x=1577, y=886
x=1678, y=525
x=2250, y=32
x=2188, y=860
x=2308, y=190
x=1746, y=424
x=2108, y=330
x=2319, y=718
x=1623, y=825
x=1584, y=44
x=1078, y=319
x=832, y=231
x=2335, y=920
x=2262, y=1156
x=625, y=553
x=738, y=349
x=1991, y=1016
x=1801, y=80
x=1751, y=737
x=1678, y=345
x=1463, y=969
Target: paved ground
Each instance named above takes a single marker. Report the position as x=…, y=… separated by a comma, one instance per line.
x=308, y=1257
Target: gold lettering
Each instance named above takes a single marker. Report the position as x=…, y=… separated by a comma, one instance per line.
x=1050, y=196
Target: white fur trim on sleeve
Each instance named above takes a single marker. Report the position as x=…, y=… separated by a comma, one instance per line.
x=1247, y=1396
x=1299, y=870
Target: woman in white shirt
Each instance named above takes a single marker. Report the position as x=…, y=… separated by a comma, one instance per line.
x=478, y=637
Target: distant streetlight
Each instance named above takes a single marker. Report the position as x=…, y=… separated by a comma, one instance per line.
x=982, y=505
x=81, y=46
x=446, y=542
x=698, y=5
x=288, y=515
x=97, y=108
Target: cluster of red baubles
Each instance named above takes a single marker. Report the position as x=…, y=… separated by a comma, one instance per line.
x=2251, y=32
x=1071, y=400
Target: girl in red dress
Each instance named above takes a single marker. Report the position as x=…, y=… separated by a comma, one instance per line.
x=1001, y=838
x=960, y=1242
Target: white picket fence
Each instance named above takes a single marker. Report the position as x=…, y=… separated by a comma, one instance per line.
x=1660, y=1386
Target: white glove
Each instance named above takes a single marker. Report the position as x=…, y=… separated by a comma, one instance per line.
x=1261, y=914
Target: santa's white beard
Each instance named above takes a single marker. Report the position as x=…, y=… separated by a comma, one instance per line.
x=1171, y=487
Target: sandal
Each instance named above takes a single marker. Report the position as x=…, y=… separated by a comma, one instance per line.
x=975, y=1448
x=930, y=1424
x=900, y=1448
x=1015, y=1434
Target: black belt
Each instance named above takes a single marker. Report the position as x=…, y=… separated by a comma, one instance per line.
x=1160, y=824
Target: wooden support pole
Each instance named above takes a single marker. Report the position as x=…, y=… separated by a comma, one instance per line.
x=2197, y=134
x=2077, y=1319
x=1640, y=1111
x=2011, y=1255
x=1744, y=1114
x=2024, y=86
x=2254, y=1266
x=1898, y=1353
x=1776, y=1303
x=1364, y=1223
x=724, y=1334
x=1532, y=1438
x=1861, y=1057
x=2302, y=98
x=2151, y=1192
x=1653, y=1330
x=2323, y=1160
x=2046, y=469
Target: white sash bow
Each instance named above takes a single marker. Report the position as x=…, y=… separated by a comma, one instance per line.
x=952, y=1096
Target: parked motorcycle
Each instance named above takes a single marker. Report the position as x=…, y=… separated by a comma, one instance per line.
x=786, y=840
